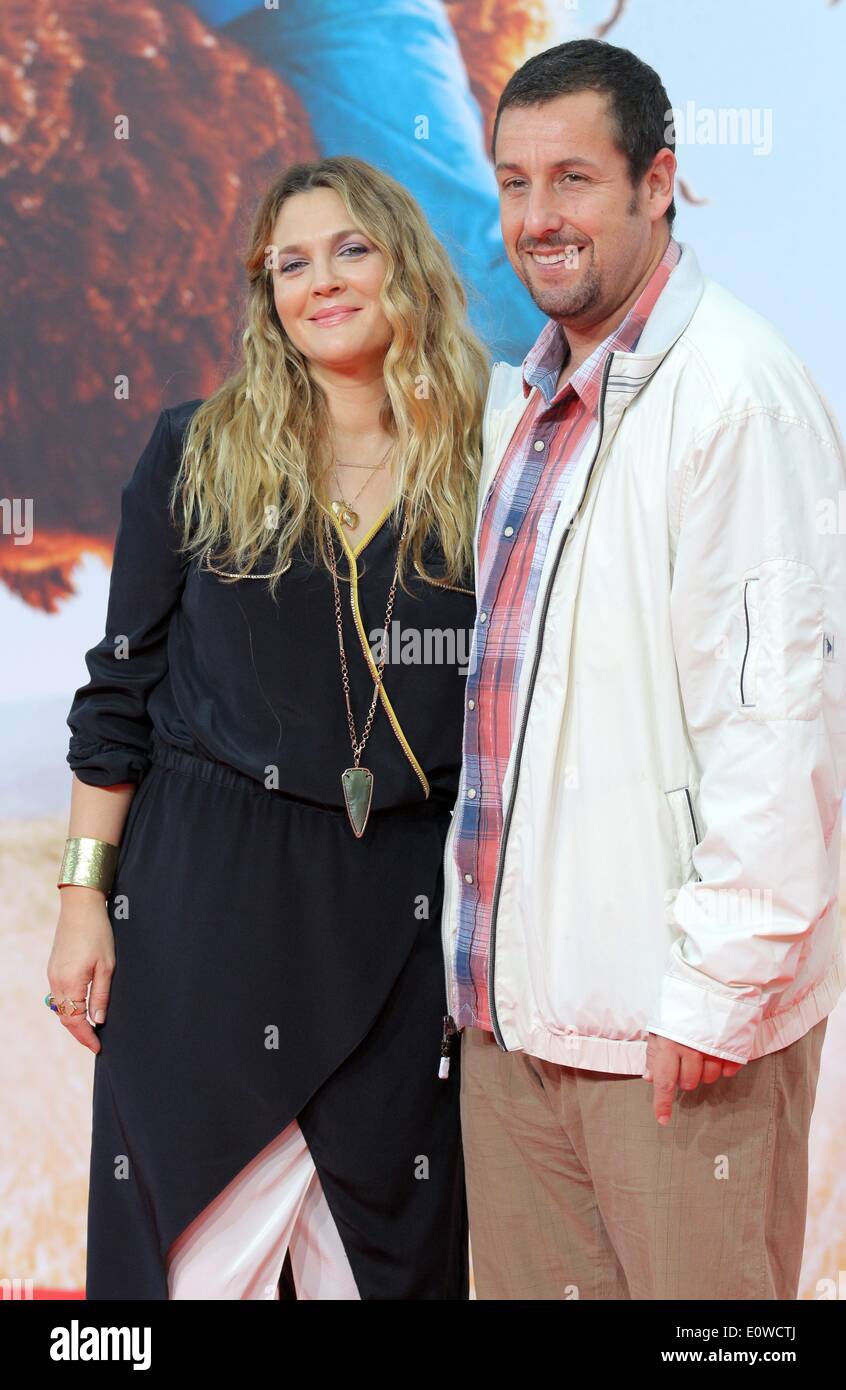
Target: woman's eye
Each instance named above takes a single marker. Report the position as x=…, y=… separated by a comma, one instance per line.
x=291, y=265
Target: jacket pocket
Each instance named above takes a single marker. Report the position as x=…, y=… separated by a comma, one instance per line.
x=781, y=667
x=749, y=665
x=680, y=800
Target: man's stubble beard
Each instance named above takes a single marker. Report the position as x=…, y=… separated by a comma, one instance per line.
x=568, y=303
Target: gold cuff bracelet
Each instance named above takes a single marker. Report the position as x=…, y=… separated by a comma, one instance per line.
x=89, y=863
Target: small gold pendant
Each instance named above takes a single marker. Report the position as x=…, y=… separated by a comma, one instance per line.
x=345, y=514
x=357, y=783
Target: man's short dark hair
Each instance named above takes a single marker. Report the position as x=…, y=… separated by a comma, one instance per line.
x=639, y=106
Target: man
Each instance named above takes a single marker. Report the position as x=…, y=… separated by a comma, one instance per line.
x=642, y=868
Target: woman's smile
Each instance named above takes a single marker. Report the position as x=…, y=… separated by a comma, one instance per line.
x=327, y=318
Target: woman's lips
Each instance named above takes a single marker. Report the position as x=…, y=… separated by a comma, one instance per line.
x=338, y=316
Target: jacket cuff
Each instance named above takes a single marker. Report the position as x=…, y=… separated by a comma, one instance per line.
x=719, y=1024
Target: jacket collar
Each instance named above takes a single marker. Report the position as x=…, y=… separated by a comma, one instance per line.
x=630, y=371
x=544, y=360
x=670, y=317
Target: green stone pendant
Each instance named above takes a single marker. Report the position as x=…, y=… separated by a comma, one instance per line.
x=357, y=783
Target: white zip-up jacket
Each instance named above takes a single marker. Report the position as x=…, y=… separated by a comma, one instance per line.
x=672, y=802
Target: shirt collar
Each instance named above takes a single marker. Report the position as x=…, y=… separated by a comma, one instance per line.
x=544, y=360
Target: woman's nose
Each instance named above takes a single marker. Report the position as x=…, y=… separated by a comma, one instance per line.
x=326, y=278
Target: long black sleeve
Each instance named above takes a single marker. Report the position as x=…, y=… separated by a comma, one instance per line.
x=108, y=718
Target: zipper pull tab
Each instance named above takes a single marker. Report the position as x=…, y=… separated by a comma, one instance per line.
x=448, y=1033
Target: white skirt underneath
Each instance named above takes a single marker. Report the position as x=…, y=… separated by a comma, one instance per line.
x=236, y=1247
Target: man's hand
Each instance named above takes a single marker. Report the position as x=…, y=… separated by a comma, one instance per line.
x=670, y=1064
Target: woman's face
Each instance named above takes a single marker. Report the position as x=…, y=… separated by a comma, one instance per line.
x=326, y=282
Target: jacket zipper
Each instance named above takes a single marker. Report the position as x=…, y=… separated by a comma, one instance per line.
x=694, y=826
x=450, y=1028
x=506, y=825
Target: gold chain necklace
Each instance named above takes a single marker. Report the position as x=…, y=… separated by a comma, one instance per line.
x=344, y=509
x=356, y=781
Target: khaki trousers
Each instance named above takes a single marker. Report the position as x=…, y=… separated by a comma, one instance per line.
x=575, y=1191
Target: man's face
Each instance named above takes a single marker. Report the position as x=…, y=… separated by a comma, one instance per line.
x=578, y=234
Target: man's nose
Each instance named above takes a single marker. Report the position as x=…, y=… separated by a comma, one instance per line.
x=541, y=218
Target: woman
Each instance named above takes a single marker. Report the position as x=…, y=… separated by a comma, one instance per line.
x=273, y=1070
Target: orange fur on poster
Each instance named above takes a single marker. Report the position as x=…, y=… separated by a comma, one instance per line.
x=120, y=257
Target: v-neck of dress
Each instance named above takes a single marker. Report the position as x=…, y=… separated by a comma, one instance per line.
x=356, y=550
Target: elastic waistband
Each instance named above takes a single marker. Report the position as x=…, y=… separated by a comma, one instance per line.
x=164, y=754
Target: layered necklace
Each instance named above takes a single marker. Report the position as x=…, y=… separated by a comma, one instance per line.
x=340, y=506
x=357, y=781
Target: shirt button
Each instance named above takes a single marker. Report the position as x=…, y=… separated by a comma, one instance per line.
x=468, y=878
x=539, y=444
x=509, y=531
x=471, y=704
x=483, y=617
x=471, y=791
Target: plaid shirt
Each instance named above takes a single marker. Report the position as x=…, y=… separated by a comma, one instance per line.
x=514, y=534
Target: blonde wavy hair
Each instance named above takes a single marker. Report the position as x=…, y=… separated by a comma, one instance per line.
x=254, y=452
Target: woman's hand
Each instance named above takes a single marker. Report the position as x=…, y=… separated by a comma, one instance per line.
x=83, y=953
x=84, y=945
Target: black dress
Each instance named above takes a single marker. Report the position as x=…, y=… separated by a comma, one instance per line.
x=269, y=964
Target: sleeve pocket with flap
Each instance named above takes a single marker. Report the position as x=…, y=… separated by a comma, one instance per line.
x=783, y=644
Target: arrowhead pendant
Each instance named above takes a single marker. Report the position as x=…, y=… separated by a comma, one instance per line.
x=357, y=783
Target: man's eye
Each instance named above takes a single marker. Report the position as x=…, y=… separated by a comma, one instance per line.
x=512, y=183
